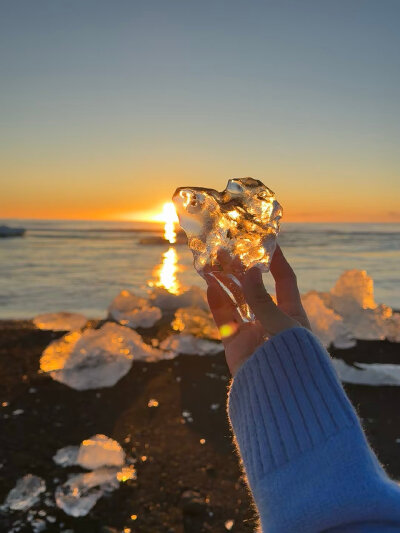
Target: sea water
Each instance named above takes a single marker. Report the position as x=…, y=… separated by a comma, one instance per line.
x=81, y=266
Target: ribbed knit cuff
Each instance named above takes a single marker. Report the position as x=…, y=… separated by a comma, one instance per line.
x=285, y=400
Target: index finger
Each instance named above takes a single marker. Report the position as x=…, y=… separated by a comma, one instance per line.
x=287, y=291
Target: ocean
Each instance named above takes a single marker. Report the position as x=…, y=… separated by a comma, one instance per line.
x=81, y=266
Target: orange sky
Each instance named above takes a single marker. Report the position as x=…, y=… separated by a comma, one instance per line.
x=104, y=116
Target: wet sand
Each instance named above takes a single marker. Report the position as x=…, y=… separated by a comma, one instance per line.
x=170, y=457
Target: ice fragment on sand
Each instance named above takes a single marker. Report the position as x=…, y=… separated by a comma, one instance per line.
x=130, y=310
x=66, y=456
x=190, y=345
x=375, y=374
x=96, y=358
x=98, y=451
x=25, y=493
x=61, y=321
x=79, y=494
x=327, y=325
x=191, y=297
x=243, y=220
x=194, y=321
x=348, y=311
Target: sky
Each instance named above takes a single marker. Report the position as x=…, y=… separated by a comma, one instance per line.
x=108, y=106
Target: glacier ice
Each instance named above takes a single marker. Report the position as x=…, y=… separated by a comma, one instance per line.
x=25, y=493
x=98, y=451
x=78, y=495
x=190, y=297
x=194, y=321
x=97, y=357
x=61, y=321
x=375, y=374
x=190, y=345
x=327, y=325
x=130, y=310
x=349, y=311
x=66, y=456
x=106, y=460
x=243, y=220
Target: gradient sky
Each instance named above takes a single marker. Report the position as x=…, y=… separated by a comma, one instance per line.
x=108, y=106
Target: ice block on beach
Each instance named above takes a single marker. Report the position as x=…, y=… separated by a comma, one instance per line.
x=243, y=220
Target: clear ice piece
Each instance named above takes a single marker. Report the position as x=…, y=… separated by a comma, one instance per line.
x=25, y=493
x=98, y=451
x=97, y=357
x=243, y=220
x=66, y=456
x=132, y=311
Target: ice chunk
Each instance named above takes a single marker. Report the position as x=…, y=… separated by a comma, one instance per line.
x=25, y=493
x=79, y=494
x=353, y=290
x=375, y=374
x=190, y=345
x=66, y=456
x=100, y=451
x=243, y=219
x=352, y=297
x=191, y=297
x=194, y=321
x=130, y=310
x=62, y=321
x=325, y=323
x=96, y=358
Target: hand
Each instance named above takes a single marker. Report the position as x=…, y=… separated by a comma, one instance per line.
x=240, y=338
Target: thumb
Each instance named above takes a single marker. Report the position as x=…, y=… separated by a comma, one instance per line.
x=272, y=319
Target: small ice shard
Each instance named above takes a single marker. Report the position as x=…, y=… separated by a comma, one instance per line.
x=99, y=451
x=97, y=357
x=375, y=374
x=25, y=493
x=243, y=220
x=191, y=297
x=194, y=321
x=190, y=345
x=327, y=325
x=130, y=310
x=79, y=494
x=62, y=321
x=66, y=456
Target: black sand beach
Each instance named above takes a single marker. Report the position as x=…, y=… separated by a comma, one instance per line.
x=171, y=459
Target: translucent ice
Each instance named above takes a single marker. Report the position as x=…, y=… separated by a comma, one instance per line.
x=61, y=321
x=97, y=357
x=130, y=310
x=105, y=456
x=100, y=451
x=243, y=219
x=190, y=345
x=25, y=493
x=79, y=494
x=325, y=323
x=194, y=321
x=368, y=374
x=191, y=297
x=66, y=456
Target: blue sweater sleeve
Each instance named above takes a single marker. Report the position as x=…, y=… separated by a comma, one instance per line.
x=307, y=461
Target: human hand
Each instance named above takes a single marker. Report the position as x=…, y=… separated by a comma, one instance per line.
x=241, y=338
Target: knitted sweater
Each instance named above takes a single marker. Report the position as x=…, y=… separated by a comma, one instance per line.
x=307, y=461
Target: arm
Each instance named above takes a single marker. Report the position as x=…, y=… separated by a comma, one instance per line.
x=307, y=461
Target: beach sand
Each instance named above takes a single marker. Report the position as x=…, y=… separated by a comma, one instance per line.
x=171, y=458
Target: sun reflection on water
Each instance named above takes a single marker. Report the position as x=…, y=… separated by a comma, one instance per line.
x=167, y=271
